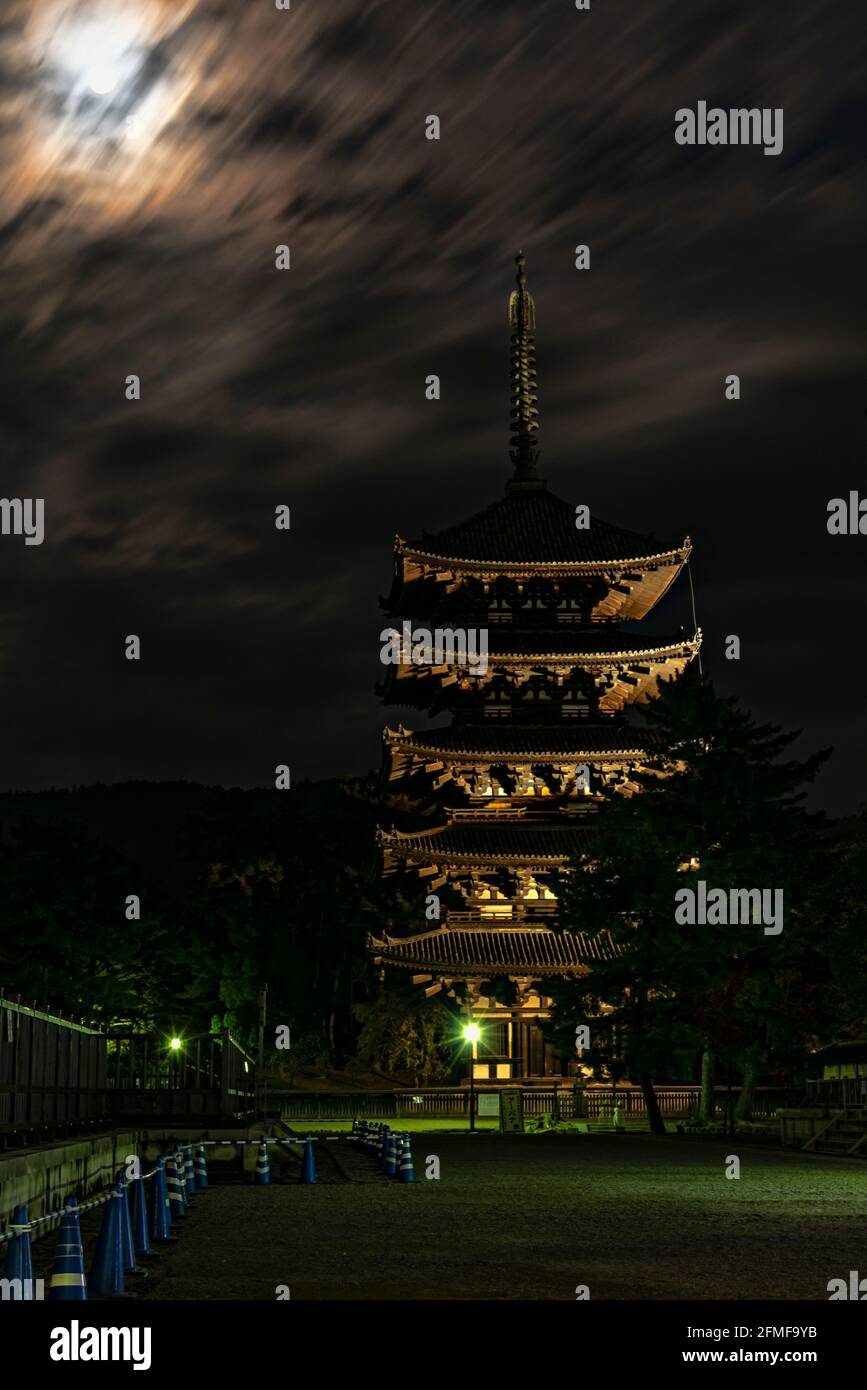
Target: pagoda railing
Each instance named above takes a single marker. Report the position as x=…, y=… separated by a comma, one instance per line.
x=472, y=919
x=521, y=915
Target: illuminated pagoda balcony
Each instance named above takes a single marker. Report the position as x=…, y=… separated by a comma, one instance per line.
x=510, y=769
x=499, y=871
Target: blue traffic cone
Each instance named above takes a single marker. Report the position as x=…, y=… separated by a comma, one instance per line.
x=158, y=1206
x=189, y=1173
x=177, y=1206
x=201, y=1168
x=140, y=1227
x=67, y=1282
x=308, y=1167
x=19, y=1263
x=181, y=1175
x=190, y=1170
x=390, y=1168
x=181, y=1165
x=129, y=1264
x=406, y=1172
x=106, y=1272
x=382, y=1157
x=263, y=1167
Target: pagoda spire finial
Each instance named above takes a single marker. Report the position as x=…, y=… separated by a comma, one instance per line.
x=524, y=450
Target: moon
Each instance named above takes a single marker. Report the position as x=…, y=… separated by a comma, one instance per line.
x=102, y=78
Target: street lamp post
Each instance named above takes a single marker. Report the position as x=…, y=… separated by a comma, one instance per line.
x=175, y=1057
x=472, y=1033
x=261, y=1088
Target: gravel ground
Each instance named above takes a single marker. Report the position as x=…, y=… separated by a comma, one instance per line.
x=531, y=1217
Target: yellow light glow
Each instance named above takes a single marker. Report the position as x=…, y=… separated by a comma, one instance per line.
x=174, y=1044
x=472, y=1032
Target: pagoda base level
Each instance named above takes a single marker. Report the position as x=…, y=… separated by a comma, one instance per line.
x=525, y=1083
x=512, y=1050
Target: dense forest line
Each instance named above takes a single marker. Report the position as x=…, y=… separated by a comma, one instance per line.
x=235, y=889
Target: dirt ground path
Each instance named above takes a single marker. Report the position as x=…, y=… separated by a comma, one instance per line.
x=532, y=1217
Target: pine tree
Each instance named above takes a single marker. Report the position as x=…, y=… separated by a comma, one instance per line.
x=725, y=806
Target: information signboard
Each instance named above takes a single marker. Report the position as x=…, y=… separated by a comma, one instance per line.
x=512, y=1112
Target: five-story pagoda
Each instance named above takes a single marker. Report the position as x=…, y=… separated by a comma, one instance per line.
x=538, y=733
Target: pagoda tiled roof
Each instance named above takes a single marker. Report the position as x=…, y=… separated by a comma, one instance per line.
x=483, y=950
x=514, y=842
x=604, y=642
x=599, y=642
x=632, y=664
x=535, y=526
x=563, y=740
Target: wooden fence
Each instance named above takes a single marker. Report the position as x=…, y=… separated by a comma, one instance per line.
x=52, y=1071
x=838, y=1093
x=593, y=1103
x=208, y=1075
x=56, y=1074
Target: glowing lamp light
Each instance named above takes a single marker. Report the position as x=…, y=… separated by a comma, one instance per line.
x=472, y=1032
x=174, y=1044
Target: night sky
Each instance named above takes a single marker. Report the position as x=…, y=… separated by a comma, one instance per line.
x=138, y=234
